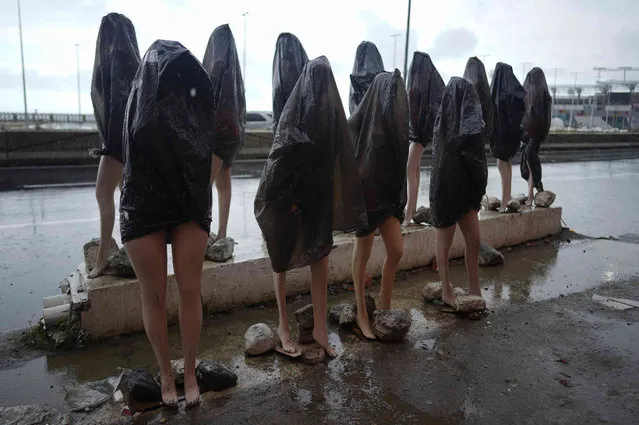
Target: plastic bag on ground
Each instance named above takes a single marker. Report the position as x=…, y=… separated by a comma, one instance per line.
x=89, y=396
x=117, y=58
x=476, y=74
x=288, y=62
x=223, y=67
x=168, y=144
x=425, y=89
x=310, y=185
x=536, y=124
x=508, y=101
x=379, y=128
x=368, y=63
x=459, y=174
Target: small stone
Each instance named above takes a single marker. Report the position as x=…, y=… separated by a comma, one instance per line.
x=423, y=216
x=544, y=199
x=120, y=265
x=215, y=376
x=432, y=291
x=459, y=292
x=313, y=354
x=391, y=325
x=513, y=206
x=489, y=256
x=304, y=316
x=490, y=203
x=304, y=335
x=370, y=306
x=521, y=198
x=220, y=250
x=91, y=252
x=470, y=303
x=259, y=339
x=335, y=312
x=348, y=315
x=141, y=385
x=32, y=415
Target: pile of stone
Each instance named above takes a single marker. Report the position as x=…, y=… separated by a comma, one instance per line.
x=119, y=263
x=464, y=303
x=219, y=250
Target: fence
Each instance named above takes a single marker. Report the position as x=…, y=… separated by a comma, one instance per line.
x=17, y=117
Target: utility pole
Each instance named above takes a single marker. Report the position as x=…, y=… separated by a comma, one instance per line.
x=523, y=70
x=244, y=51
x=593, y=105
x=394, y=37
x=554, y=91
x=24, y=80
x=572, y=107
x=407, y=40
x=77, y=62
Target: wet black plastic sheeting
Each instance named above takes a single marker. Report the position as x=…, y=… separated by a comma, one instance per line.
x=459, y=174
x=223, y=67
x=168, y=144
x=288, y=62
x=309, y=185
x=368, y=63
x=117, y=58
x=476, y=74
x=508, y=101
x=379, y=128
x=425, y=89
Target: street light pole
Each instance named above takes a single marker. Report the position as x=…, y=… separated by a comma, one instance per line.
x=394, y=37
x=554, y=92
x=593, y=105
x=77, y=63
x=407, y=40
x=24, y=80
x=244, y=51
x=523, y=70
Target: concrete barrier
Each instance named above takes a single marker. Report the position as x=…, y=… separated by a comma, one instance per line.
x=110, y=306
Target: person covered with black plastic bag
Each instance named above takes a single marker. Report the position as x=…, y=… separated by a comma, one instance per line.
x=368, y=63
x=508, y=102
x=458, y=180
x=166, y=196
x=536, y=127
x=288, y=61
x=223, y=67
x=379, y=129
x=309, y=188
x=116, y=61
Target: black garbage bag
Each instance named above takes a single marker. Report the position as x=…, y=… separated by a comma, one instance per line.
x=368, y=63
x=117, y=58
x=309, y=185
x=459, y=174
x=379, y=128
x=168, y=144
x=536, y=124
x=425, y=89
x=508, y=101
x=288, y=62
x=223, y=67
x=476, y=74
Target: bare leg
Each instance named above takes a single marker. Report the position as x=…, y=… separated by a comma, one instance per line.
x=109, y=177
x=148, y=257
x=188, y=243
x=506, y=172
x=279, y=283
x=394, y=244
x=469, y=225
x=216, y=166
x=412, y=172
x=444, y=241
x=223, y=186
x=319, y=287
x=361, y=254
x=531, y=184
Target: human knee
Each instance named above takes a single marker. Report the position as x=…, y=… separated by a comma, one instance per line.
x=395, y=253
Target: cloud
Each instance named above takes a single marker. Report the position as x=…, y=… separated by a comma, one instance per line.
x=456, y=43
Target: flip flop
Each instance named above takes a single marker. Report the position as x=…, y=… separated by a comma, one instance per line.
x=280, y=349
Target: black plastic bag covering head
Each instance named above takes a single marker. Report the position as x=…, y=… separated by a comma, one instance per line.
x=475, y=73
x=116, y=60
x=538, y=102
x=288, y=62
x=368, y=63
x=310, y=185
x=425, y=89
x=508, y=101
x=223, y=67
x=459, y=174
x=379, y=128
x=168, y=144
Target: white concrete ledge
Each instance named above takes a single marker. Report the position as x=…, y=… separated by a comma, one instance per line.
x=114, y=306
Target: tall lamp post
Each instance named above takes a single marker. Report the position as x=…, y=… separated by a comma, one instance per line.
x=24, y=80
x=394, y=37
x=407, y=40
x=77, y=64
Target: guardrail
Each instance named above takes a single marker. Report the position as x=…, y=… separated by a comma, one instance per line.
x=11, y=117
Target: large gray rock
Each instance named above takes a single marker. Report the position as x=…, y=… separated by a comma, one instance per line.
x=120, y=265
x=220, y=250
x=423, y=216
x=544, y=199
x=348, y=316
x=215, y=376
x=470, y=304
x=433, y=291
x=490, y=203
x=489, y=256
x=91, y=252
x=142, y=386
x=521, y=198
x=335, y=313
x=391, y=325
x=259, y=339
x=513, y=206
x=32, y=415
x=313, y=354
x=370, y=306
x=177, y=366
x=304, y=316
x=304, y=335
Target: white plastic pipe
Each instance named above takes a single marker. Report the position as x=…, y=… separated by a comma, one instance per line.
x=53, y=315
x=55, y=300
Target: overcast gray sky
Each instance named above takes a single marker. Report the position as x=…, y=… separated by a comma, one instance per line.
x=573, y=35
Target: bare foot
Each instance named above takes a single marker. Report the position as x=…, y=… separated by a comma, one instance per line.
x=448, y=297
x=191, y=391
x=407, y=218
x=101, y=265
x=321, y=337
x=285, y=338
x=474, y=291
x=365, y=326
x=169, y=394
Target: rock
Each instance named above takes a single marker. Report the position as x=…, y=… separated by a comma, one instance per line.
x=348, y=315
x=521, y=198
x=304, y=316
x=335, y=312
x=459, y=292
x=32, y=415
x=432, y=291
x=423, y=215
x=391, y=325
x=259, y=339
x=120, y=265
x=178, y=371
x=305, y=335
x=220, y=250
x=91, y=252
x=513, y=206
x=215, y=376
x=470, y=303
x=544, y=199
x=141, y=385
x=490, y=203
x=489, y=256
x=313, y=354
x=370, y=306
